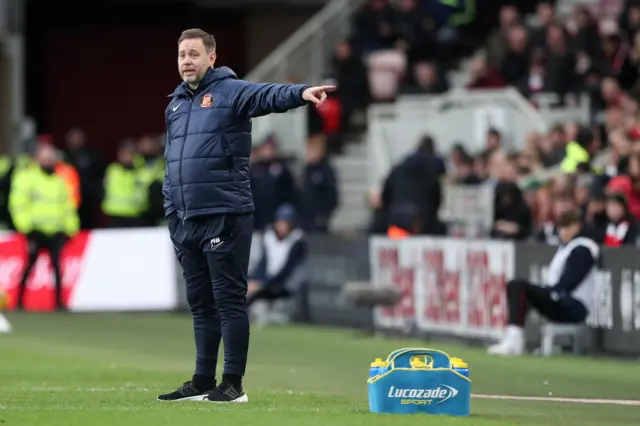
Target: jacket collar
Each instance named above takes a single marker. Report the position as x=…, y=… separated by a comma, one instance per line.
x=212, y=75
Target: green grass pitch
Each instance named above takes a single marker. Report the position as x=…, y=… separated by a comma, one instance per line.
x=99, y=370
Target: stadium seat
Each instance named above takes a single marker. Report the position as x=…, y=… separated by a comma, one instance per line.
x=550, y=331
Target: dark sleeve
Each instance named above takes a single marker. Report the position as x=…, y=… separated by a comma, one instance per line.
x=525, y=223
x=168, y=205
x=632, y=234
x=386, y=196
x=258, y=99
x=332, y=190
x=297, y=255
x=576, y=268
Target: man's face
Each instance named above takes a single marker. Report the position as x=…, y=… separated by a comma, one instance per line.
x=555, y=38
x=493, y=141
x=560, y=206
x=125, y=156
x=567, y=233
x=615, y=210
x=75, y=139
x=545, y=13
x=314, y=154
x=194, y=61
x=46, y=155
x=517, y=40
x=425, y=74
x=581, y=195
x=508, y=16
x=147, y=146
x=282, y=228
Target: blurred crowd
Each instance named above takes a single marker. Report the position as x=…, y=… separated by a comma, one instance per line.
x=128, y=192
x=526, y=205
x=592, y=167
x=399, y=47
x=124, y=193
x=595, y=50
x=396, y=47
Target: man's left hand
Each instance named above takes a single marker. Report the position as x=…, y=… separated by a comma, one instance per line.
x=317, y=94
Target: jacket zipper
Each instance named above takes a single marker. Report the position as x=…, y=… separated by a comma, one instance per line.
x=184, y=140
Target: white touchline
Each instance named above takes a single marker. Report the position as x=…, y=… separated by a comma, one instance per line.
x=554, y=399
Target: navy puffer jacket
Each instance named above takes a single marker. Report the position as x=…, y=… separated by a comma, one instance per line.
x=209, y=142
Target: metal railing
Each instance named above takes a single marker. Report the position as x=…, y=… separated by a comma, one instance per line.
x=468, y=209
x=305, y=55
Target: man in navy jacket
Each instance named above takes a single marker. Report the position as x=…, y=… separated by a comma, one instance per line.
x=209, y=204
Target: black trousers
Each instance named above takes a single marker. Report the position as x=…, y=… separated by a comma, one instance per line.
x=54, y=244
x=214, y=255
x=522, y=296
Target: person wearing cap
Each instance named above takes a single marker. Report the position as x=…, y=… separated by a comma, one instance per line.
x=570, y=292
x=43, y=210
x=124, y=190
x=279, y=272
x=150, y=165
x=622, y=228
x=66, y=171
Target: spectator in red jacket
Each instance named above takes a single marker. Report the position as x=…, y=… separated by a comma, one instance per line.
x=629, y=186
x=621, y=229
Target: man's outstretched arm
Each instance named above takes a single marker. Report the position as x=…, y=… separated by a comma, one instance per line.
x=258, y=99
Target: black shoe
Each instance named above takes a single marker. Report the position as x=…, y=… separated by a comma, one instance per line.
x=187, y=392
x=226, y=393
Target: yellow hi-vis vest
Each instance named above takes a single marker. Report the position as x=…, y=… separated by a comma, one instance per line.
x=147, y=174
x=23, y=161
x=123, y=190
x=575, y=155
x=39, y=201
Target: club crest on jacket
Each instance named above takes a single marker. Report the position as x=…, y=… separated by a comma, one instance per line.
x=207, y=101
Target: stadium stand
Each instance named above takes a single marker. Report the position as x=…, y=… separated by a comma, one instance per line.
x=555, y=90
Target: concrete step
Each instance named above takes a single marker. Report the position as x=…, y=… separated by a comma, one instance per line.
x=356, y=150
x=350, y=169
x=353, y=197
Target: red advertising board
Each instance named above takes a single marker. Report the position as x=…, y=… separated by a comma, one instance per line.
x=40, y=293
x=452, y=286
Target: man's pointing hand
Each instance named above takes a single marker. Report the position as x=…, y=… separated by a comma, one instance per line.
x=317, y=94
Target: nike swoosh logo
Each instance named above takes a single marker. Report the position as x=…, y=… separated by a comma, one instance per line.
x=175, y=108
x=217, y=246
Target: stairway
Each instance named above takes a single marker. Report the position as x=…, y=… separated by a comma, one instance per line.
x=353, y=213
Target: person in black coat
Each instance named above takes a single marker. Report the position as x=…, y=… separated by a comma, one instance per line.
x=272, y=183
x=318, y=198
x=512, y=216
x=415, y=182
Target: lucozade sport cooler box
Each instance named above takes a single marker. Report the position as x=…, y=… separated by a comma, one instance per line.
x=419, y=380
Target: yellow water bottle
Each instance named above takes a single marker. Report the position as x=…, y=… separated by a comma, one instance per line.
x=377, y=367
x=460, y=366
